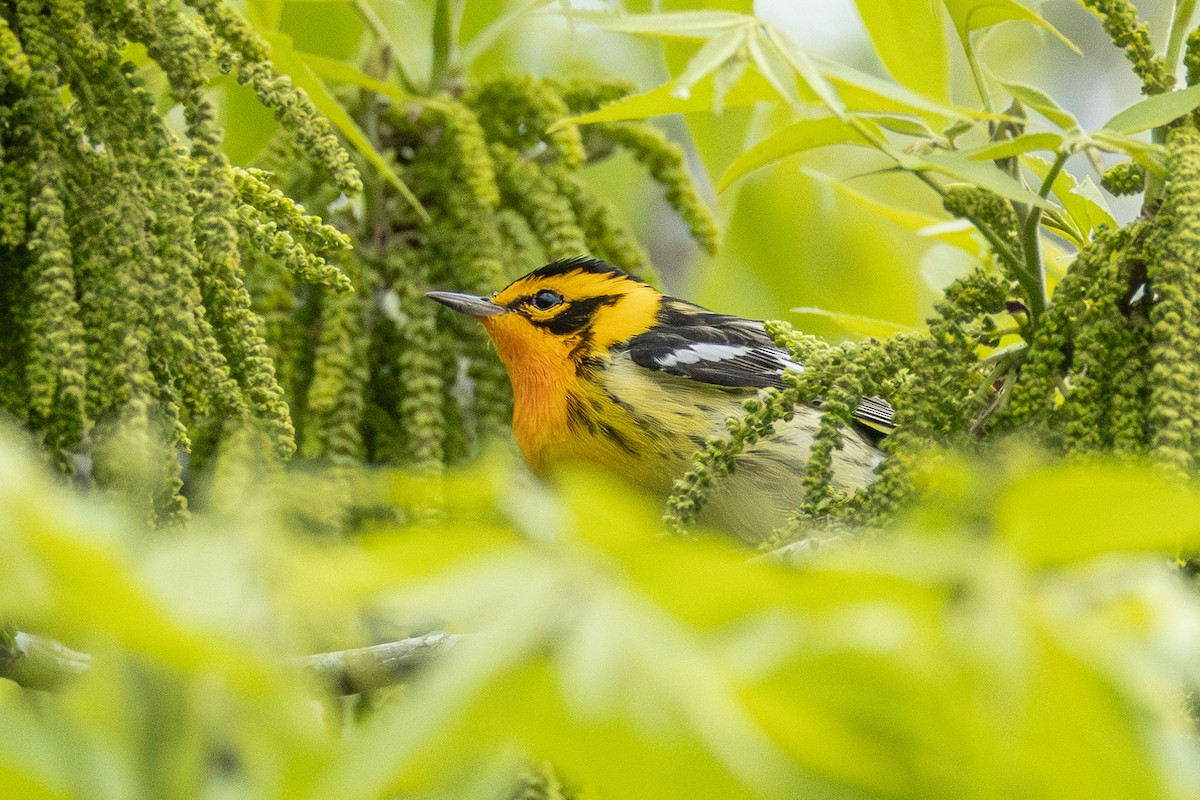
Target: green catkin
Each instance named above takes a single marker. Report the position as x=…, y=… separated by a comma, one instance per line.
x=1124, y=178
x=602, y=230
x=719, y=456
x=989, y=212
x=420, y=380
x=520, y=248
x=525, y=113
x=837, y=407
x=473, y=165
x=225, y=292
x=334, y=400
x=123, y=233
x=248, y=55
x=1099, y=330
x=55, y=364
x=1175, y=334
x=1119, y=18
x=1191, y=57
x=14, y=66
x=527, y=189
x=666, y=162
x=55, y=370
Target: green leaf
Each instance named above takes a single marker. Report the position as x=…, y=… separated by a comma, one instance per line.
x=773, y=65
x=861, y=91
x=1015, y=146
x=982, y=174
x=856, y=323
x=957, y=233
x=1074, y=513
x=714, y=54
x=804, y=135
x=1151, y=156
x=1042, y=103
x=751, y=88
x=341, y=72
x=1081, y=199
x=264, y=15
x=909, y=40
x=670, y=25
x=807, y=69
x=1155, y=111
x=1181, y=21
x=908, y=126
x=287, y=61
x=974, y=15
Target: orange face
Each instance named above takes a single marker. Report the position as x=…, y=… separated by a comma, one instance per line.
x=546, y=326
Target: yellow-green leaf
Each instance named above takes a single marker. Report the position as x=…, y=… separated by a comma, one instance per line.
x=1015, y=146
x=1155, y=111
x=1042, y=103
x=974, y=15
x=286, y=60
x=750, y=89
x=909, y=40
x=804, y=135
x=1073, y=513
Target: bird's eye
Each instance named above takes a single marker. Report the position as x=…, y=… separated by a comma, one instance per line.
x=546, y=299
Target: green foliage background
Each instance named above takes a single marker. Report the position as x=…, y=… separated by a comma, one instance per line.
x=1007, y=612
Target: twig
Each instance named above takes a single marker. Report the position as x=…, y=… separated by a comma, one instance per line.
x=365, y=668
x=36, y=662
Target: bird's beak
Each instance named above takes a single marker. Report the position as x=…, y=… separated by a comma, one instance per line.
x=467, y=304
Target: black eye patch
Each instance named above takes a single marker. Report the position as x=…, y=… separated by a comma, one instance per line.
x=545, y=299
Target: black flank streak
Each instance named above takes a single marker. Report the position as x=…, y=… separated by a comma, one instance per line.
x=615, y=435
x=579, y=416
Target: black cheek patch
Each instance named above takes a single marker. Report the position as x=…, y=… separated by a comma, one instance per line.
x=576, y=314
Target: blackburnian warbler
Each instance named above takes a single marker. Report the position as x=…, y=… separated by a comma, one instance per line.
x=606, y=369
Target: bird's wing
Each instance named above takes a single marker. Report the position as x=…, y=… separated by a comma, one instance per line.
x=723, y=350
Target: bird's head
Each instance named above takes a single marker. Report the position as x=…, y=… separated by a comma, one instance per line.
x=561, y=314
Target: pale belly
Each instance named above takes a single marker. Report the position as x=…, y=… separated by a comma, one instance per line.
x=765, y=487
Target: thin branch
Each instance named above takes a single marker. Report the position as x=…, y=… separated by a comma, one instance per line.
x=39, y=663
x=36, y=662
x=365, y=668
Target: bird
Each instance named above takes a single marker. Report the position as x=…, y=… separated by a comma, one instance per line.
x=607, y=370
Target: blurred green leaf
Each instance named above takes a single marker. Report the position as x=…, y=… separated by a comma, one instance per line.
x=974, y=15
x=1081, y=199
x=984, y=175
x=1072, y=513
x=1008, y=148
x=749, y=89
x=1041, y=102
x=798, y=137
x=909, y=40
x=667, y=25
x=341, y=72
x=858, y=324
x=286, y=60
x=1154, y=111
x=330, y=28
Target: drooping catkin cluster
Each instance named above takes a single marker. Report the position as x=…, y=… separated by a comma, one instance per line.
x=1111, y=367
x=122, y=284
x=500, y=171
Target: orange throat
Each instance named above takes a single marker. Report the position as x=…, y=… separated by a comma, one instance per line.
x=543, y=381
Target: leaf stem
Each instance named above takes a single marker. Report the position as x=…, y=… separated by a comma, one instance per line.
x=377, y=26
x=1032, y=276
x=447, y=14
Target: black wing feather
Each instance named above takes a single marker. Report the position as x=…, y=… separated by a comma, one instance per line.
x=708, y=347
x=723, y=350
